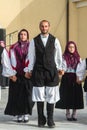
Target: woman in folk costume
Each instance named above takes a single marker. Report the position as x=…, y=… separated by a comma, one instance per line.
x=2, y=51
x=20, y=86
x=4, y=54
x=71, y=95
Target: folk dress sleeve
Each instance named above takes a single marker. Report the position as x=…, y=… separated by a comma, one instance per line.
x=58, y=55
x=7, y=70
x=64, y=65
x=81, y=69
x=30, y=57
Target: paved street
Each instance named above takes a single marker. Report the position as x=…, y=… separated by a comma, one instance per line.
x=9, y=122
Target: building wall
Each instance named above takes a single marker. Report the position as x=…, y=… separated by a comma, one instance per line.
x=78, y=25
x=28, y=13
x=8, y=11
x=31, y=13
x=82, y=31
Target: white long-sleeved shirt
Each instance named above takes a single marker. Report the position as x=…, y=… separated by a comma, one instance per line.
x=32, y=56
x=67, y=69
x=81, y=69
x=7, y=70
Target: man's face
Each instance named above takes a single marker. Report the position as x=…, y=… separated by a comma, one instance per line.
x=44, y=27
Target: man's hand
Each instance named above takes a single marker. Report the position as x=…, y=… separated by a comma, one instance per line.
x=28, y=75
x=61, y=72
x=78, y=81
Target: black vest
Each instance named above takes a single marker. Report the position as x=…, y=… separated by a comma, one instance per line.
x=45, y=55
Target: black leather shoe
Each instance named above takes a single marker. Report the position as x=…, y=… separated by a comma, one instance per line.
x=74, y=119
x=68, y=117
x=19, y=119
x=25, y=121
x=41, y=121
x=50, y=123
x=25, y=118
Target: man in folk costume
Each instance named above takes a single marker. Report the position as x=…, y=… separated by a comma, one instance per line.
x=45, y=58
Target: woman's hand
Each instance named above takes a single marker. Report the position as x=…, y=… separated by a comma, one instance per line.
x=13, y=78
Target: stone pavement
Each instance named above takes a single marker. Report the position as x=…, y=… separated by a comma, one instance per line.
x=9, y=122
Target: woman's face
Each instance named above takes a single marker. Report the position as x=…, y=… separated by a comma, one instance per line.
x=23, y=36
x=71, y=48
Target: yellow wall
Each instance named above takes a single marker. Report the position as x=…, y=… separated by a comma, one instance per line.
x=73, y=22
x=82, y=31
x=8, y=10
x=77, y=26
x=33, y=11
x=18, y=14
